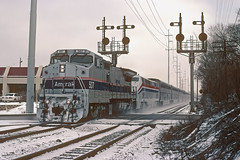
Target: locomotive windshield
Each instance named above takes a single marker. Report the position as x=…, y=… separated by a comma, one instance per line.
x=84, y=59
x=59, y=58
x=135, y=79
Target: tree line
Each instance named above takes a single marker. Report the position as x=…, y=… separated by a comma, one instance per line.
x=219, y=68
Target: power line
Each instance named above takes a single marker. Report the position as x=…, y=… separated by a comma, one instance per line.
x=227, y=12
x=159, y=15
x=237, y=16
x=231, y=5
x=135, y=11
x=155, y=17
x=216, y=13
x=150, y=20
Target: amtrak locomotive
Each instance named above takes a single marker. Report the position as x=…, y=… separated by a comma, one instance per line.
x=79, y=83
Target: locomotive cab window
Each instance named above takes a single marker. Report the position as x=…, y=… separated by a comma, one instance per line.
x=59, y=58
x=135, y=79
x=82, y=59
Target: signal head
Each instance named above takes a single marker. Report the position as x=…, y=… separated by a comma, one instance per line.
x=98, y=28
x=202, y=37
x=105, y=41
x=171, y=24
x=180, y=37
x=125, y=40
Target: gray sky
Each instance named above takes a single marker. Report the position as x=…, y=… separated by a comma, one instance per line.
x=63, y=24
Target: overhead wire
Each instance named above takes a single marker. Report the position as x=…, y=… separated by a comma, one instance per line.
x=137, y=14
x=231, y=5
x=227, y=11
x=155, y=18
x=237, y=16
x=223, y=11
x=216, y=12
x=142, y=21
x=159, y=15
x=149, y=19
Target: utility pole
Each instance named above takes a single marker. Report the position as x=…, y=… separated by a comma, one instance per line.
x=175, y=61
x=31, y=57
x=168, y=35
x=190, y=48
x=223, y=48
x=179, y=76
x=20, y=62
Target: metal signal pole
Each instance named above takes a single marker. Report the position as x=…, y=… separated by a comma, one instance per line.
x=190, y=48
x=31, y=57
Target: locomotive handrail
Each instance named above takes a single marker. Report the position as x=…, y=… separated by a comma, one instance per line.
x=84, y=89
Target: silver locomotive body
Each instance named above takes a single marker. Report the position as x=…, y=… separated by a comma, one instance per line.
x=79, y=83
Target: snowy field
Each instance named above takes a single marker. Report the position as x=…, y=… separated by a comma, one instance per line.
x=144, y=147
x=18, y=110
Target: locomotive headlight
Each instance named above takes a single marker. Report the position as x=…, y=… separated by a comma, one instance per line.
x=68, y=101
x=62, y=68
x=47, y=101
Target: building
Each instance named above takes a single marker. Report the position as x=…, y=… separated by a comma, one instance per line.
x=14, y=80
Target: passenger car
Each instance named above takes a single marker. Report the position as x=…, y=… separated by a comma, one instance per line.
x=11, y=97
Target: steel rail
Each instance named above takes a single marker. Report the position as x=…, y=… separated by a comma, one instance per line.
x=38, y=153
x=27, y=134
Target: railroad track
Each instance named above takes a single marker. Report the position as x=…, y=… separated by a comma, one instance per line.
x=173, y=109
x=8, y=137
x=110, y=136
x=65, y=144
x=11, y=134
x=88, y=145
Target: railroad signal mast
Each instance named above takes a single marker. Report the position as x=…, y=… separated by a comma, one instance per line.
x=114, y=48
x=105, y=40
x=190, y=47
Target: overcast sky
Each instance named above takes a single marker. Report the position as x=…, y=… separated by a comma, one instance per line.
x=71, y=24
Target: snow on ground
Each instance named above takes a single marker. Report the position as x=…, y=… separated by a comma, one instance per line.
x=16, y=148
x=17, y=110
x=142, y=148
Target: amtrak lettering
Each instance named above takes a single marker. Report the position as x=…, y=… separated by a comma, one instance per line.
x=68, y=84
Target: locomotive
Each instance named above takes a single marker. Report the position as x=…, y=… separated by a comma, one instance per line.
x=79, y=83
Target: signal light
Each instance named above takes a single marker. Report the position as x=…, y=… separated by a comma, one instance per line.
x=125, y=40
x=202, y=37
x=105, y=41
x=180, y=37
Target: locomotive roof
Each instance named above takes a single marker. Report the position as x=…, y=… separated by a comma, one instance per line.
x=71, y=51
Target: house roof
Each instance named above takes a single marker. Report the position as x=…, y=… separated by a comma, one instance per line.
x=2, y=70
x=19, y=71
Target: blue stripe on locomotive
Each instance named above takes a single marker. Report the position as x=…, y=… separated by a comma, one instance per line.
x=102, y=86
